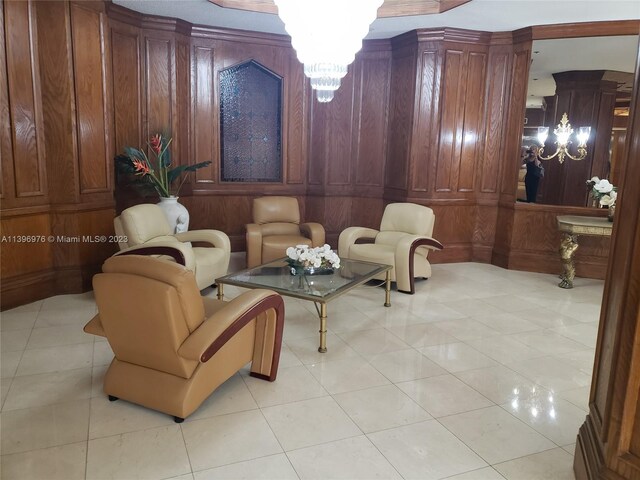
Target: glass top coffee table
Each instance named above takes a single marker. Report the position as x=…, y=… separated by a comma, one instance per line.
x=319, y=288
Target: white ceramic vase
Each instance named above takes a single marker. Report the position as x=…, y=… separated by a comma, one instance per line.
x=176, y=213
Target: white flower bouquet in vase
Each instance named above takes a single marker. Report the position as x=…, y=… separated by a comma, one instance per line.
x=605, y=193
x=312, y=261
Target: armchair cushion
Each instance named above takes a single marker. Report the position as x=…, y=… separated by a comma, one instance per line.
x=274, y=246
x=276, y=209
x=172, y=348
x=143, y=223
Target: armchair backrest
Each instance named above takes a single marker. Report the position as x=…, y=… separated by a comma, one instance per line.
x=142, y=223
x=147, y=308
x=276, y=210
x=400, y=219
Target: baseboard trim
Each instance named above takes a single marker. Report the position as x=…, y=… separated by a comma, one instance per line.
x=30, y=287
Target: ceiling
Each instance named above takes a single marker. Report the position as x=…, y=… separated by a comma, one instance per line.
x=486, y=15
x=617, y=54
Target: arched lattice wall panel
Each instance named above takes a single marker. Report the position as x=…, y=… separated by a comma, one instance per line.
x=251, y=124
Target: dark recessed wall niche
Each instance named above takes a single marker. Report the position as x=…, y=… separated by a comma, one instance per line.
x=250, y=129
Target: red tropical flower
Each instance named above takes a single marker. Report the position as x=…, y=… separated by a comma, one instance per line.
x=156, y=143
x=156, y=169
x=141, y=167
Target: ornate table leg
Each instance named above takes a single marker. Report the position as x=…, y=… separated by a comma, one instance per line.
x=220, y=292
x=568, y=247
x=387, y=289
x=323, y=328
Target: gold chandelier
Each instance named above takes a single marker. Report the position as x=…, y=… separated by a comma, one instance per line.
x=563, y=133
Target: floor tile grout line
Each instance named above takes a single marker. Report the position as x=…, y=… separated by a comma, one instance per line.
x=186, y=449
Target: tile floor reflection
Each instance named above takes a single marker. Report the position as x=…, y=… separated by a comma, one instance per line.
x=484, y=373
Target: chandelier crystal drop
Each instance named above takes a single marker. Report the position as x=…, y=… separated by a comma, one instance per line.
x=326, y=36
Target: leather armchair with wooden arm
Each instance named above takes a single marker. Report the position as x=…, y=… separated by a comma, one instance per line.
x=403, y=241
x=145, y=224
x=172, y=347
x=276, y=226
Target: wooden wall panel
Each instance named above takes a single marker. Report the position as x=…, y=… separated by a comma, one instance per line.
x=424, y=154
x=472, y=134
x=401, y=117
x=296, y=90
x=58, y=101
x=181, y=122
x=205, y=130
x=160, y=85
x=6, y=154
x=484, y=232
x=338, y=127
x=373, y=92
x=451, y=122
x=317, y=141
x=25, y=102
x=514, y=123
x=125, y=48
x=92, y=98
x=21, y=257
x=497, y=84
x=454, y=227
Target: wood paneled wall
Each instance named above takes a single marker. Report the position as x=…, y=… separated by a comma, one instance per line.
x=420, y=118
x=57, y=157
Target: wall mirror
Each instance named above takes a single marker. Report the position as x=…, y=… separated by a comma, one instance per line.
x=590, y=79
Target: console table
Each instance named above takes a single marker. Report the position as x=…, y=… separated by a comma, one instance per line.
x=571, y=226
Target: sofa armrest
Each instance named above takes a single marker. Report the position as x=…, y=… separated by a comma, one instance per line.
x=182, y=254
x=215, y=331
x=315, y=232
x=405, y=249
x=350, y=235
x=254, y=245
x=410, y=243
x=215, y=238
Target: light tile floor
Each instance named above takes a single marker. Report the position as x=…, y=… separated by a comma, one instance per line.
x=484, y=373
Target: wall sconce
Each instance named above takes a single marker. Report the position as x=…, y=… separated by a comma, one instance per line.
x=563, y=133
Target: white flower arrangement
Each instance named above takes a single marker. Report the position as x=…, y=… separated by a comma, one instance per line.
x=603, y=191
x=314, y=257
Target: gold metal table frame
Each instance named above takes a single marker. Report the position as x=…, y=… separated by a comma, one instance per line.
x=571, y=226
x=276, y=276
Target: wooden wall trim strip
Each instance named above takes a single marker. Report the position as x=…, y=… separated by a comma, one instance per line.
x=586, y=29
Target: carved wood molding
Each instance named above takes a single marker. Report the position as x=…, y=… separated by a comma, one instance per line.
x=586, y=29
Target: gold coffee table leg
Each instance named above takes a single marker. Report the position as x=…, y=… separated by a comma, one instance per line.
x=387, y=289
x=568, y=247
x=323, y=328
x=220, y=292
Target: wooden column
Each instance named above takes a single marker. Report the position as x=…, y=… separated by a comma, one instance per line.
x=589, y=101
x=608, y=444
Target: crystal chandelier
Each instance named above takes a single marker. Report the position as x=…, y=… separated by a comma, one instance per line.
x=326, y=35
x=563, y=134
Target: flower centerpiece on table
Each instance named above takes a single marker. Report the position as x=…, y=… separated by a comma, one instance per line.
x=156, y=169
x=312, y=260
x=603, y=191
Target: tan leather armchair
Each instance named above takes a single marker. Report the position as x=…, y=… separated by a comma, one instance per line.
x=276, y=226
x=404, y=241
x=145, y=225
x=173, y=347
